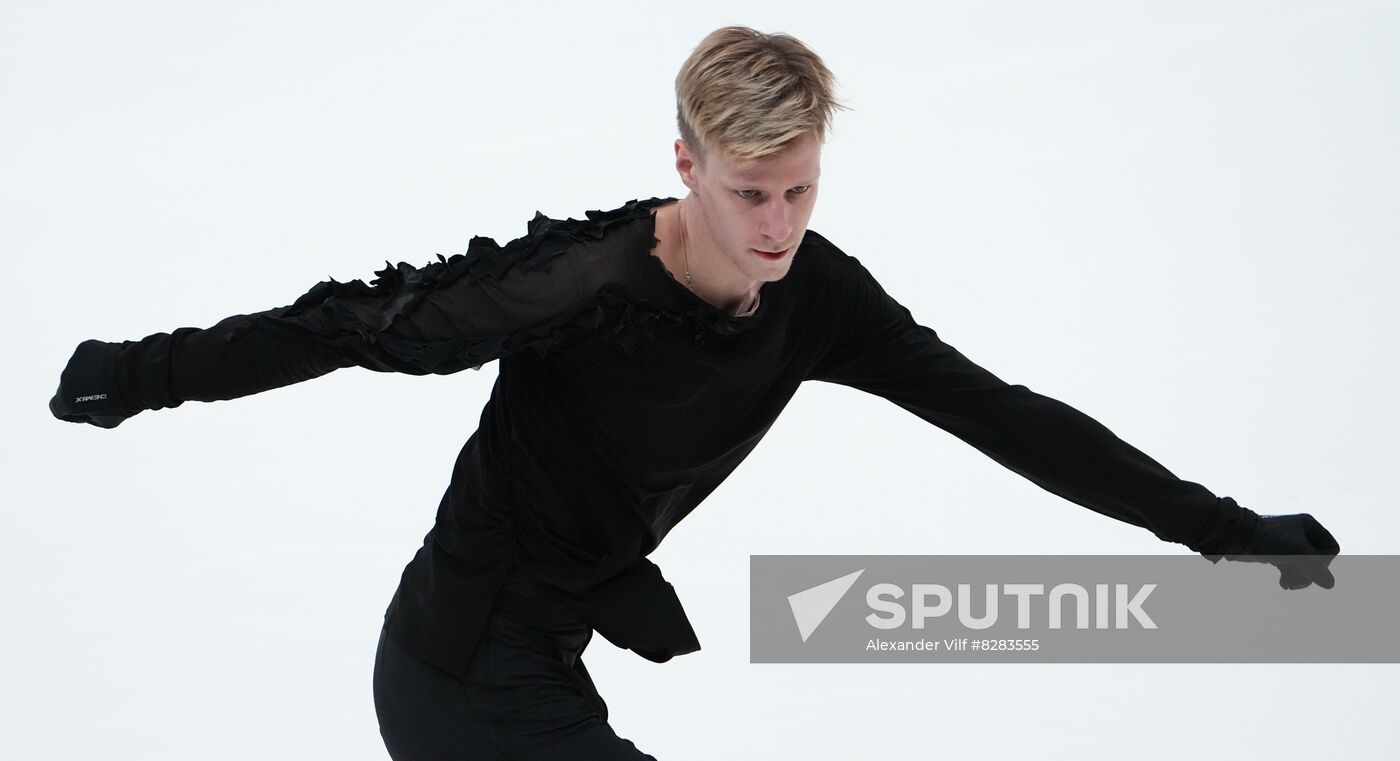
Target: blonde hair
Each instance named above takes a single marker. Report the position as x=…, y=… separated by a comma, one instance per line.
x=746, y=94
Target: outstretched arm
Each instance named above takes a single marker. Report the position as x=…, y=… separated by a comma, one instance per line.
x=437, y=319
x=880, y=349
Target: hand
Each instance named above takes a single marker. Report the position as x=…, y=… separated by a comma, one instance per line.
x=87, y=388
x=1299, y=546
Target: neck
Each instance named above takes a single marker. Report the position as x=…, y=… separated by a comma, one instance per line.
x=713, y=278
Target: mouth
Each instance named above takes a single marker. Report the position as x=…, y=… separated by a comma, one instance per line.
x=772, y=256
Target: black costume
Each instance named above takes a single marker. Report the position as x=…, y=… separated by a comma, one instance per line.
x=622, y=400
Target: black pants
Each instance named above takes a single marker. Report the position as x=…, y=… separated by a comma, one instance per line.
x=525, y=695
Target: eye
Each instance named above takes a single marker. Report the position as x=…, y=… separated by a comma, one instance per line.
x=799, y=189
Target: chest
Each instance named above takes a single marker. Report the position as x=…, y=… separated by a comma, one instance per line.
x=672, y=403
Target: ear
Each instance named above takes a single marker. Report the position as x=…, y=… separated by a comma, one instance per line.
x=686, y=165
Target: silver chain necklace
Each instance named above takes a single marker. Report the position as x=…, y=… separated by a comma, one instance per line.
x=689, y=281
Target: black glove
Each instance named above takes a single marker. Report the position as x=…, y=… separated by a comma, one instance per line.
x=87, y=388
x=1299, y=546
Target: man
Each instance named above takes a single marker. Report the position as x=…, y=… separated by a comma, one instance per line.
x=643, y=353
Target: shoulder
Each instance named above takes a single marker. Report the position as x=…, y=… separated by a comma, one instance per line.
x=608, y=245
x=547, y=237
x=827, y=267
x=822, y=251
x=597, y=224
x=595, y=239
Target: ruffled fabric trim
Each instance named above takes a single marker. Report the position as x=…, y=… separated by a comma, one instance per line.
x=326, y=310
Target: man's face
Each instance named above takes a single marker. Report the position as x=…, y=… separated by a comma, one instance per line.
x=763, y=206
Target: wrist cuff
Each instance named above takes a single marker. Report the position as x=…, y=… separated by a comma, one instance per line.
x=1228, y=532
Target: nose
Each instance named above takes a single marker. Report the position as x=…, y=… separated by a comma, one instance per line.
x=775, y=223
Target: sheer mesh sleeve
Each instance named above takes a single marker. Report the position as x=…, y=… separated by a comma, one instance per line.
x=880, y=349
x=437, y=319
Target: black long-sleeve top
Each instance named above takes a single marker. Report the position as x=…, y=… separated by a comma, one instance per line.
x=622, y=401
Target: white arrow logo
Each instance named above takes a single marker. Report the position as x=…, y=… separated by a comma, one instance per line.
x=811, y=606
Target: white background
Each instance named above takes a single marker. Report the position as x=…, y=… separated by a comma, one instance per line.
x=1178, y=217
